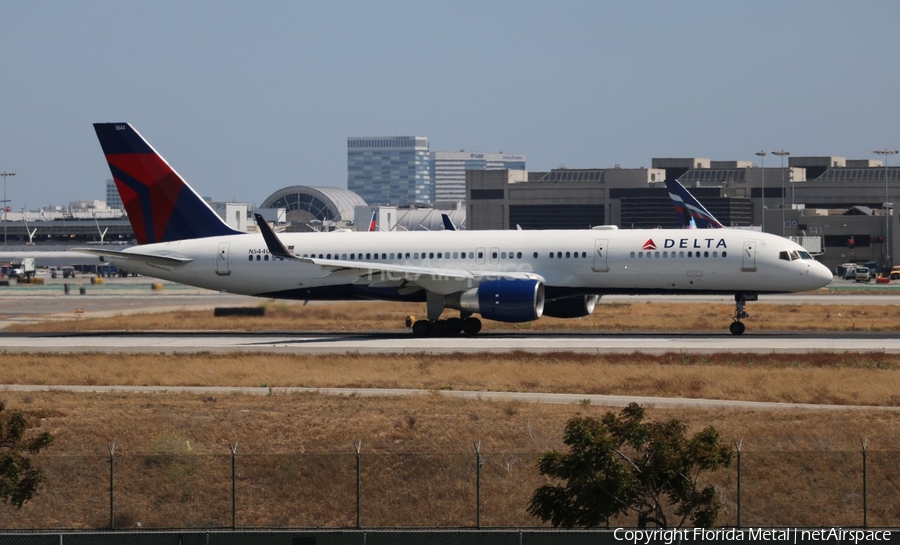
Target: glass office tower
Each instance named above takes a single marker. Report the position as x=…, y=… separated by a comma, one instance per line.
x=390, y=170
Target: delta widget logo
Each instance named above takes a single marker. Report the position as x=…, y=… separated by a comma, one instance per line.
x=649, y=245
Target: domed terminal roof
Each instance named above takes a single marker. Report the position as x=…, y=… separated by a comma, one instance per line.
x=305, y=203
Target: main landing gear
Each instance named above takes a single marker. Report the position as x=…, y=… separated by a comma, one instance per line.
x=444, y=328
x=740, y=300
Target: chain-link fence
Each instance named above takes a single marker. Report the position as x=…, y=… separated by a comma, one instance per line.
x=420, y=490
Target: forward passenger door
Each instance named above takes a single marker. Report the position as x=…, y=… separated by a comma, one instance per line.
x=601, y=256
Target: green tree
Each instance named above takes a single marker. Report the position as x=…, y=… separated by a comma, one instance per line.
x=620, y=465
x=19, y=480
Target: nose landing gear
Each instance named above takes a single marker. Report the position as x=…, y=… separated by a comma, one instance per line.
x=737, y=327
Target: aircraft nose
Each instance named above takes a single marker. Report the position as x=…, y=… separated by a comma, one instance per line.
x=820, y=275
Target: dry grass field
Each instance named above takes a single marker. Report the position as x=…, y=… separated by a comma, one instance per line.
x=615, y=316
x=296, y=460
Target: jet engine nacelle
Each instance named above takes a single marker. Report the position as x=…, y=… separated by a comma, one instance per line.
x=505, y=300
x=571, y=307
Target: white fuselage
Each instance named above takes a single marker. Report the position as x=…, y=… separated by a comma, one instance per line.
x=570, y=261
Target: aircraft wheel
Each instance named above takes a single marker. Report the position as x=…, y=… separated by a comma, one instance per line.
x=440, y=329
x=422, y=328
x=471, y=326
x=737, y=328
x=454, y=326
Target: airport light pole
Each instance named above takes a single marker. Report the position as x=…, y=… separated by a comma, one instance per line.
x=781, y=154
x=5, y=204
x=762, y=160
x=887, y=249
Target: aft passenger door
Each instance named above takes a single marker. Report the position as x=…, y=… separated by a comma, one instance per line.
x=222, y=261
x=748, y=256
x=601, y=256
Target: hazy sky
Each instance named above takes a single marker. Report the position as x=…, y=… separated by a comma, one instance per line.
x=245, y=98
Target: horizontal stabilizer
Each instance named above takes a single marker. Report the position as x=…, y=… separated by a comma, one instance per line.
x=153, y=259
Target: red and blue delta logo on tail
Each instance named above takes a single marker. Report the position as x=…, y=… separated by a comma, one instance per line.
x=160, y=205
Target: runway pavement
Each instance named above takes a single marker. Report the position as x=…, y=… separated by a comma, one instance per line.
x=403, y=342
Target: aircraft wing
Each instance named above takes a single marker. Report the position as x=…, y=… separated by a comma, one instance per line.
x=377, y=274
x=171, y=260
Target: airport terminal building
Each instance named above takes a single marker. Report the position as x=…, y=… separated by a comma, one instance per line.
x=845, y=202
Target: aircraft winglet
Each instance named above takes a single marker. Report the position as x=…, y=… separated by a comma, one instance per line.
x=273, y=243
x=448, y=225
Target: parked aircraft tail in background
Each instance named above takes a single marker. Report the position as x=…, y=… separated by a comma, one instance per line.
x=689, y=209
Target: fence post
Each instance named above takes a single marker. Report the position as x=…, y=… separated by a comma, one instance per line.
x=234, y=485
x=865, y=444
x=478, y=464
x=738, y=446
x=358, y=446
x=112, y=485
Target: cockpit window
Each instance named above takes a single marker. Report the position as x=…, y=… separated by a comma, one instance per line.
x=805, y=255
x=790, y=255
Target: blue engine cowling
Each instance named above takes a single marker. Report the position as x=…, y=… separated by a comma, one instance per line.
x=571, y=307
x=505, y=300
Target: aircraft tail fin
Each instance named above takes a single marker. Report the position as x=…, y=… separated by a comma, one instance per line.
x=161, y=206
x=372, y=223
x=689, y=210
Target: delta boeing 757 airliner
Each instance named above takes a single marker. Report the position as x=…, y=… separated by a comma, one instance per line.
x=507, y=276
